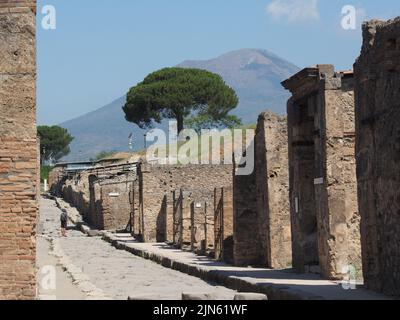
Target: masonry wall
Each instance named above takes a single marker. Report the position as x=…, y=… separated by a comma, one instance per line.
x=262, y=232
x=246, y=250
x=56, y=175
x=158, y=183
x=75, y=190
x=18, y=150
x=111, y=201
x=202, y=224
x=223, y=225
x=272, y=187
x=324, y=212
x=377, y=95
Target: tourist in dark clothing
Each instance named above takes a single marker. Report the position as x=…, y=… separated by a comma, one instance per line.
x=64, y=222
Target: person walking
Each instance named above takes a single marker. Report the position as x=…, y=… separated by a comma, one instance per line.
x=64, y=222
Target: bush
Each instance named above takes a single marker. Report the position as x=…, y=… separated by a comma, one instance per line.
x=44, y=172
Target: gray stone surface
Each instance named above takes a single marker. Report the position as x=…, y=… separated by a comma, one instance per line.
x=276, y=284
x=250, y=296
x=118, y=274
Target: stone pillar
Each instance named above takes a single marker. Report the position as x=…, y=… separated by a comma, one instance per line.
x=377, y=93
x=246, y=242
x=186, y=220
x=223, y=225
x=324, y=211
x=18, y=150
x=170, y=217
x=198, y=225
x=272, y=187
x=262, y=234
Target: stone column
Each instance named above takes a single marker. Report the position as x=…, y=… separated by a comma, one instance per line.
x=18, y=150
x=272, y=187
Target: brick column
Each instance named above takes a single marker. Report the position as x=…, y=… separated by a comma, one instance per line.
x=18, y=150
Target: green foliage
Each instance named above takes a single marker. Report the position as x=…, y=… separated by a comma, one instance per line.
x=103, y=154
x=54, y=142
x=201, y=122
x=175, y=93
x=44, y=172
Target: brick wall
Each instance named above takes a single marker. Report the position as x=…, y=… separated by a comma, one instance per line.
x=377, y=91
x=18, y=150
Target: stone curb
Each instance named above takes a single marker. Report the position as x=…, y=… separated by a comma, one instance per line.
x=272, y=291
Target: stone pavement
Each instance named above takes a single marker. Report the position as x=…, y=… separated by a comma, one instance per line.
x=64, y=288
x=276, y=284
x=100, y=271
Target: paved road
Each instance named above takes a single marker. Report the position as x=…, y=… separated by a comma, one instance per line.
x=117, y=273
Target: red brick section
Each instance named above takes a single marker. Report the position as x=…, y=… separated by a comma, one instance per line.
x=13, y=4
x=18, y=155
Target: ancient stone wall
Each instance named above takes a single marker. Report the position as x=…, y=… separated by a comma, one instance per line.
x=18, y=150
x=223, y=225
x=75, y=190
x=111, y=201
x=157, y=184
x=262, y=234
x=324, y=212
x=246, y=250
x=56, y=175
x=377, y=95
x=272, y=186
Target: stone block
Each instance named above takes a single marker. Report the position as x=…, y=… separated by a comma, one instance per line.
x=198, y=296
x=250, y=297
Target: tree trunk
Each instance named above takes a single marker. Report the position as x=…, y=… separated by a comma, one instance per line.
x=179, y=119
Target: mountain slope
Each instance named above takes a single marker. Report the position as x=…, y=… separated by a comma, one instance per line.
x=254, y=74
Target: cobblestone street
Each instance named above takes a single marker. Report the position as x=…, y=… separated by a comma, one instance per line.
x=109, y=272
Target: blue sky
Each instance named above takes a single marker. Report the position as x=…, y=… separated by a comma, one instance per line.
x=101, y=48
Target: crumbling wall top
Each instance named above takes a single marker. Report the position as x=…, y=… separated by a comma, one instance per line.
x=381, y=41
x=12, y=5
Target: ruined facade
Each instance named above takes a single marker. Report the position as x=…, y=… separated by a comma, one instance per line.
x=261, y=200
x=112, y=201
x=18, y=150
x=149, y=197
x=377, y=96
x=323, y=198
x=157, y=184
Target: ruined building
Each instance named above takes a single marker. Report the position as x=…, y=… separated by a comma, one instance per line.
x=159, y=203
x=192, y=184
x=377, y=96
x=323, y=197
x=262, y=234
x=18, y=149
